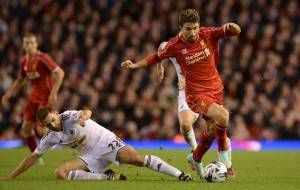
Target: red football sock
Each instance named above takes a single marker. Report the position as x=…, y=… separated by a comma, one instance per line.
x=221, y=136
x=31, y=142
x=204, y=144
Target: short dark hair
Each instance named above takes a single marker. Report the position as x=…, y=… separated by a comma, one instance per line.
x=43, y=113
x=188, y=15
x=29, y=35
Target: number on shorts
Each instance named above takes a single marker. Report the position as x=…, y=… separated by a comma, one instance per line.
x=115, y=144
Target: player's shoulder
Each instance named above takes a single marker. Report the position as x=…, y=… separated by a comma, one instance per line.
x=23, y=59
x=168, y=45
x=42, y=55
x=173, y=41
x=204, y=31
x=69, y=115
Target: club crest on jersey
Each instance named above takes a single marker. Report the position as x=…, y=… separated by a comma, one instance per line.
x=184, y=51
x=202, y=44
x=72, y=132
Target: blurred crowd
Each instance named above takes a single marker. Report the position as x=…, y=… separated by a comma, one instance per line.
x=89, y=39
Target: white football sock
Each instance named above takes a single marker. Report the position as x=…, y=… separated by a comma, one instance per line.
x=190, y=138
x=83, y=175
x=157, y=164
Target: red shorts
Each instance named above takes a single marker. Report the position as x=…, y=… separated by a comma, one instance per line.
x=31, y=109
x=200, y=103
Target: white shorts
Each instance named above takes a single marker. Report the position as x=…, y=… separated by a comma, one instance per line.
x=97, y=163
x=182, y=104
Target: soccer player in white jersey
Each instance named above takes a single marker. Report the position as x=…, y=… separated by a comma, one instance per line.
x=185, y=115
x=100, y=147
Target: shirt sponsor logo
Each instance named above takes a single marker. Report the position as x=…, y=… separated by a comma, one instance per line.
x=33, y=75
x=202, y=44
x=199, y=56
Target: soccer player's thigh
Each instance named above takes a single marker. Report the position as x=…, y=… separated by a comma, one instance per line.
x=63, y=170
x=128, y=155
x=29, y=118
x=185, y=115
x=186, y=120
x=121, y=153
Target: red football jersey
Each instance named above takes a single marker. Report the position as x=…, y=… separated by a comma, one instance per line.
x=38, y=70
x=198, y=60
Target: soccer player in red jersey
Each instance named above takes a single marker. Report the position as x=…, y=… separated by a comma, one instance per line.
x=45, y=78
x=196, y=50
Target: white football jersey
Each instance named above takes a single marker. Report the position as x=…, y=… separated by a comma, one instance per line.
x=89, y=139
x=174, y=62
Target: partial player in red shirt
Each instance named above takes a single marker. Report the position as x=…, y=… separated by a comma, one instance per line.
x=45, y=78
x=196, y=51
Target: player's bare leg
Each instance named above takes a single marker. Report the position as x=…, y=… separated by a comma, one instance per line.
x=186, y=120
x=29, y=134
x=129, y=155
x=76, y=169
x=62, y=171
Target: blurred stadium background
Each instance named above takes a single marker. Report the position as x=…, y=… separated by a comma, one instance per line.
x=89, y=39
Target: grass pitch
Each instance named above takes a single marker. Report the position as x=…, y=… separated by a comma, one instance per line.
x=255, y=170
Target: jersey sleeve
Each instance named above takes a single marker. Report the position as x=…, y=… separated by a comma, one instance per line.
x=48, y=61
x=47, y=142
x=213, y=32
x=70, y=116
x=164, y=51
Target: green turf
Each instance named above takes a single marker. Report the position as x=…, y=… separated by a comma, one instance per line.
x=255, y=170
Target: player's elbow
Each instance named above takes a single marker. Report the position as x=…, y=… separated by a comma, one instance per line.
x=238, y=30
x=58, y=73
x=61, y=73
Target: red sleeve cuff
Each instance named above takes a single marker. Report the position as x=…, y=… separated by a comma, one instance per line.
x=152, y=59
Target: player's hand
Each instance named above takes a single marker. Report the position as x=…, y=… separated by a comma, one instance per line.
x=5, y=178
x=181, y=84
x=160, y=71
x=4, y=100
x=52, y=100
x=232, y=28
x=128, y=64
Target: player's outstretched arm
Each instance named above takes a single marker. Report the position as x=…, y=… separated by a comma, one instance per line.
x=231, y=29
x=13, y=90
x=130, y=65
x=23, y=166
x=84, y=115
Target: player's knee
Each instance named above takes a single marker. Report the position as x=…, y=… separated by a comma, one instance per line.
x=60, y=173
x=185, y=126
x=210, y=131
x=223, y=118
